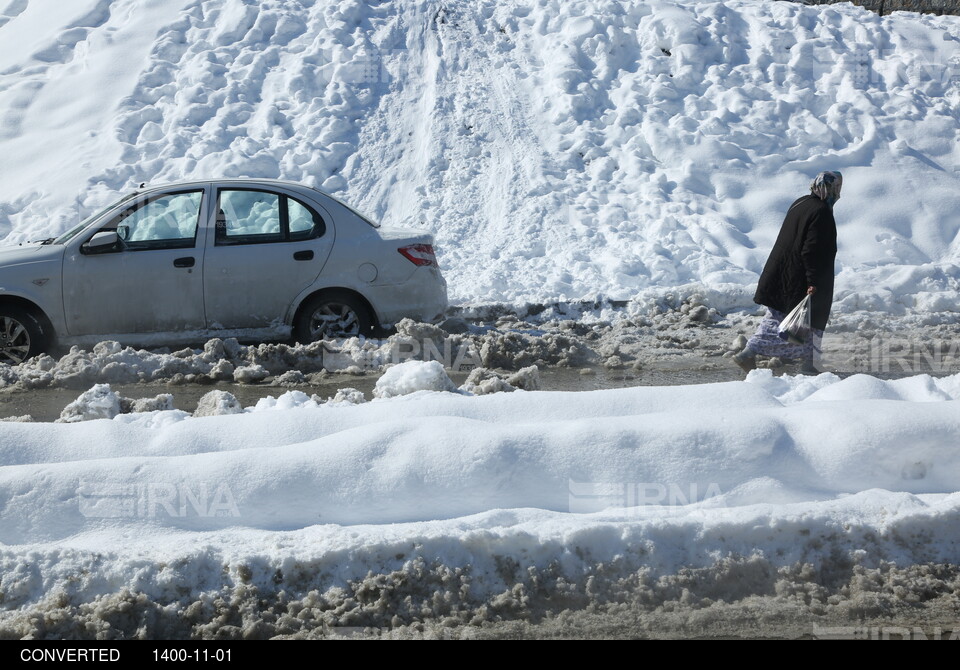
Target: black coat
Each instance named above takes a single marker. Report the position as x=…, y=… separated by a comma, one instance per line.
x=803, y=256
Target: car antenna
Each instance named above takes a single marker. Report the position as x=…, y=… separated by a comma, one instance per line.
x=142, y=185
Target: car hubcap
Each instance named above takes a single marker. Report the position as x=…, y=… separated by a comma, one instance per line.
x=333, y=320
x=14, y=341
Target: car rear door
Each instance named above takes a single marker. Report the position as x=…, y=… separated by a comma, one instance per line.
x=268, y=246
x=152, y=280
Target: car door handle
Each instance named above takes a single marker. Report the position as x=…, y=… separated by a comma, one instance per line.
x=187, y=262
x=303, y=255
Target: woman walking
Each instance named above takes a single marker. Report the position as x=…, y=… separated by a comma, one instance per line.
x=801, y=263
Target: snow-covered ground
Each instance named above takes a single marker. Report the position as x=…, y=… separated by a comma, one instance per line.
x=829, y=500
x=556, y=149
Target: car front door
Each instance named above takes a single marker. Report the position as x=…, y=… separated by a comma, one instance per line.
x=268, y=246
x=151, y=279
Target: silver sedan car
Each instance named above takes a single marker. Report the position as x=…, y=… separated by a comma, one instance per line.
x=254, y=259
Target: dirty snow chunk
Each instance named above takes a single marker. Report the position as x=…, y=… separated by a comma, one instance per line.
x=107, y=348
x=213, y=350
x=348, y=395
x=513, y=350
x=413, y=376
x=613, y=363
x=160, y=403
x=483, y=381
x=98, y=403
x=699, y=314
x=26, y=418
x=290, y=378
x=420, y=331
x=217, y=403
x=250, y=374
x=527, y=378
x=222, y=371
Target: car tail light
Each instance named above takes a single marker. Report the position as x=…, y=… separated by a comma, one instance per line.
x=420, y=254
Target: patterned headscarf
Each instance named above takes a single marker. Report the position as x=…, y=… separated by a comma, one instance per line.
x=826, y=186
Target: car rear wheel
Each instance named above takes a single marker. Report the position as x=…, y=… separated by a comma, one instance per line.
x=21, y=336
x=332, y=316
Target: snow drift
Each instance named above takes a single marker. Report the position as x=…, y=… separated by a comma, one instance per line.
x=291, y=463
x=293, y=517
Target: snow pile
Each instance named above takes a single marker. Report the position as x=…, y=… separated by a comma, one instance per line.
x=350, y=396
x=290, y=378
x=425, y=456
x=829, y=387
x=25, y=418
x=250, y=374
x=218, y=403
x=605, y=148
x=109, y=362
x=413, y=376
x=513, y=347
x=289, y=400
x=160, y=403
x=496, y=569
x=100, y=402
x=482, y=381
x=472, y=509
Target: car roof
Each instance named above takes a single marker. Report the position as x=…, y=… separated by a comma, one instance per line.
x=254, y=181
x=232, y=180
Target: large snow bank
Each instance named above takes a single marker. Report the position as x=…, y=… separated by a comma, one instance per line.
x=601, y=147
x=434, y=456
x=483, y=508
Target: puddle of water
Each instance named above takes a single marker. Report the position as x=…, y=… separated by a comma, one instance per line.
x=46, y=404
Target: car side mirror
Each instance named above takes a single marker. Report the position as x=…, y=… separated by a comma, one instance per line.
x=103, y=242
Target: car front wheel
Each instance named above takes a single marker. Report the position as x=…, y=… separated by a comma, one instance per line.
x=333, y=316
x=21, y=336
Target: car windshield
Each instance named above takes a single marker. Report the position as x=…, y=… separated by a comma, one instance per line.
x=76, y=230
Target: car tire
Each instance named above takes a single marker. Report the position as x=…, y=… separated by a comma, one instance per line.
x=333, y=316
x=21, y=335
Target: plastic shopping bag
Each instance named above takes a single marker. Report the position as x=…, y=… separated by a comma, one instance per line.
x=795, y=326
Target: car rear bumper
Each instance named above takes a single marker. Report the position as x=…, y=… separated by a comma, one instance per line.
x=423, y=297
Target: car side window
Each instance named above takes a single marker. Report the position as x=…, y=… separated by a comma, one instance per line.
x=167, y=221
x=303, y=221
x=249, y=216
